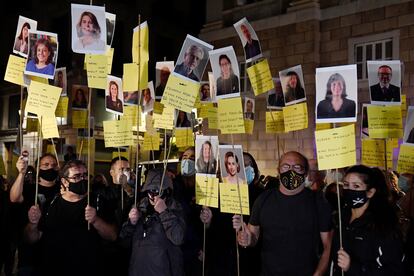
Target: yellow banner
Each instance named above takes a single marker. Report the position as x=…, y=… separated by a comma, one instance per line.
x=385, y=121
x=295, y=117
x=230, y=198
x=207, y=190
x=260, y=77
x=230, y=116
x=275, y=122
x=336, y=147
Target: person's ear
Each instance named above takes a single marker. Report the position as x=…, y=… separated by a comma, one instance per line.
x=65, y=183
x=371, y=192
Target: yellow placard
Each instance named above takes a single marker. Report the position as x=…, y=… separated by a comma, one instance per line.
x=385, y=121
x=212, y=118
x=392, y=143
x=203, y=110
x=151, y=142
x=230, y=115
x=15, y=70
x=249, y=126
x=117, y=133
x=2, y=167
x=82, y=144
x=260, y=77
x=130, y=77
x=130, y=114
x=403, y=105
x=336, y=147
x=31, y=125
x=140, y=37
x=230, y=198
x=323, y=126
x=197, y=102
x=42, y=99
x=295, y=117
x=79, y=119
x=184, y=137
x=62, y=107
x=149, y=125
x=51, y=149
x=406, y=159
x=180, y=93
x=49, y=127
x=166, y=119
x=373, y=153
x=207, y=190
x=275, y=122
x=97, y=70
x=39, y=79
x=116, y=154
x=109, y=57
x=158, y=108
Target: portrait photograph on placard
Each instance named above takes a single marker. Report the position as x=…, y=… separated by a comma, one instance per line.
x=384, y=79
x=183, y=119
x=131, y=98
x=226, y=72
x=60, y=80
x=148, y=98
x=43, y=53
x=110, y=20
x=80, y=96
x=364, y=124
x=206, y=154
x=249, y=40
x=293, y=85
x=249, y=105
x=114, y=98
x=163, y=70
x=21, y=41
x=275, y=98
x=336, y=94
x=205, y=94
x=409, y=126
x=88, y=29
x=232, y=164
x=193, y=58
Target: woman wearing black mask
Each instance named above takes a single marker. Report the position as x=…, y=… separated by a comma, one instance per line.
x=371, y=239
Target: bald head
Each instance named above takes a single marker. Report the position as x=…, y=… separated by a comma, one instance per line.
x=294, y=158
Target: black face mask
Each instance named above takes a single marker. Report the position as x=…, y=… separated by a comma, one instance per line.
x=355, y=199
x=291, y=179
x=79, y=188
x=48, y=175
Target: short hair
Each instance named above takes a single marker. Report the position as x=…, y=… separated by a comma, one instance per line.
x=301, y=156
x=115, y=159
x=332, y=78
x=385, y=66
x=193, y=49
x=46, y=155
x=46, y=42
x=113, y=83
x=25, y=24
x=227, y=156
x=96, y=27
x=64, y=172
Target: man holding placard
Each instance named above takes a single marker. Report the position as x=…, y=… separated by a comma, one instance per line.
x=291, y=219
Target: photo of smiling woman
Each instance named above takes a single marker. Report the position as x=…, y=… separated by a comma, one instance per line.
x=115, y=98
x=42, y=55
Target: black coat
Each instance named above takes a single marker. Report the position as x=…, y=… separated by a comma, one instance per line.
x=392, y=94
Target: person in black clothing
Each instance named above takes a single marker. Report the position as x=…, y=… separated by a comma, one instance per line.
x=384, y=91
x=371, y=238
x=63, y=232
x=292, y=221
x=252, y=46
x=294, y=90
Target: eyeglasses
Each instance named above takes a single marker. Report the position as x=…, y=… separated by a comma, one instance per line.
x=78, y=177
x=297, y=168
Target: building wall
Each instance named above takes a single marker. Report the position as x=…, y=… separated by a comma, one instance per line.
x=316, y=38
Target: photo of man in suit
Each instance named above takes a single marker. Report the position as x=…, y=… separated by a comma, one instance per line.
x=384, y=91
x=252, y=46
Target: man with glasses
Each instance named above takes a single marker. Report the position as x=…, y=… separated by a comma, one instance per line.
x=292, y=220
x=70, y=233
x=384, y=91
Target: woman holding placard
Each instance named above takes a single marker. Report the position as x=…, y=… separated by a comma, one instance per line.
x=371, y=238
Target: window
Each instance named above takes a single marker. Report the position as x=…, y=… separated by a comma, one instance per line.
x=375, y=47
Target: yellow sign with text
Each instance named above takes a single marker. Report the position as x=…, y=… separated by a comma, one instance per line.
x=249, y=126
x=166, y=119
x=49, y=127
x=180, y=93
x=336, y=147
x=117, y=133
x=212, y=118
x=406, y=159
x=15, y=70
x=42, y=99
x=230, y=116
x=234, y=198
x=62, y=107
x=184, y=137
x=295, y=117
x=79, y=119
x=275, y=122
x=260, y=77
x=207, y=190
x=151, y=142
x=373, y=153
x=140, y=39
x=97, y=70
x=385, y=121
x=130, y=77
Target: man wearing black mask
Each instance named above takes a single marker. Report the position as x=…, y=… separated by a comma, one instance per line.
x=22, y=193
x=292, y=220
x=67, y=246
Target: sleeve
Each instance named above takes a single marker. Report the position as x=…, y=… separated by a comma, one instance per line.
x=324, y=213
x=173, y=222
x=127, y=230
x=388, y=260
x=256, y=210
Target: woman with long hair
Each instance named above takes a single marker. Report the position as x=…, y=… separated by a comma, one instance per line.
x=206, y=163
x=89, y=33
x=22, y=41
x=228, y=82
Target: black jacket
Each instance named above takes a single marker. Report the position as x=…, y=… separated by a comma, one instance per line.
x=392, y=94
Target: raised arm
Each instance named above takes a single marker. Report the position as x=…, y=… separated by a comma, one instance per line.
x=16, y=191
